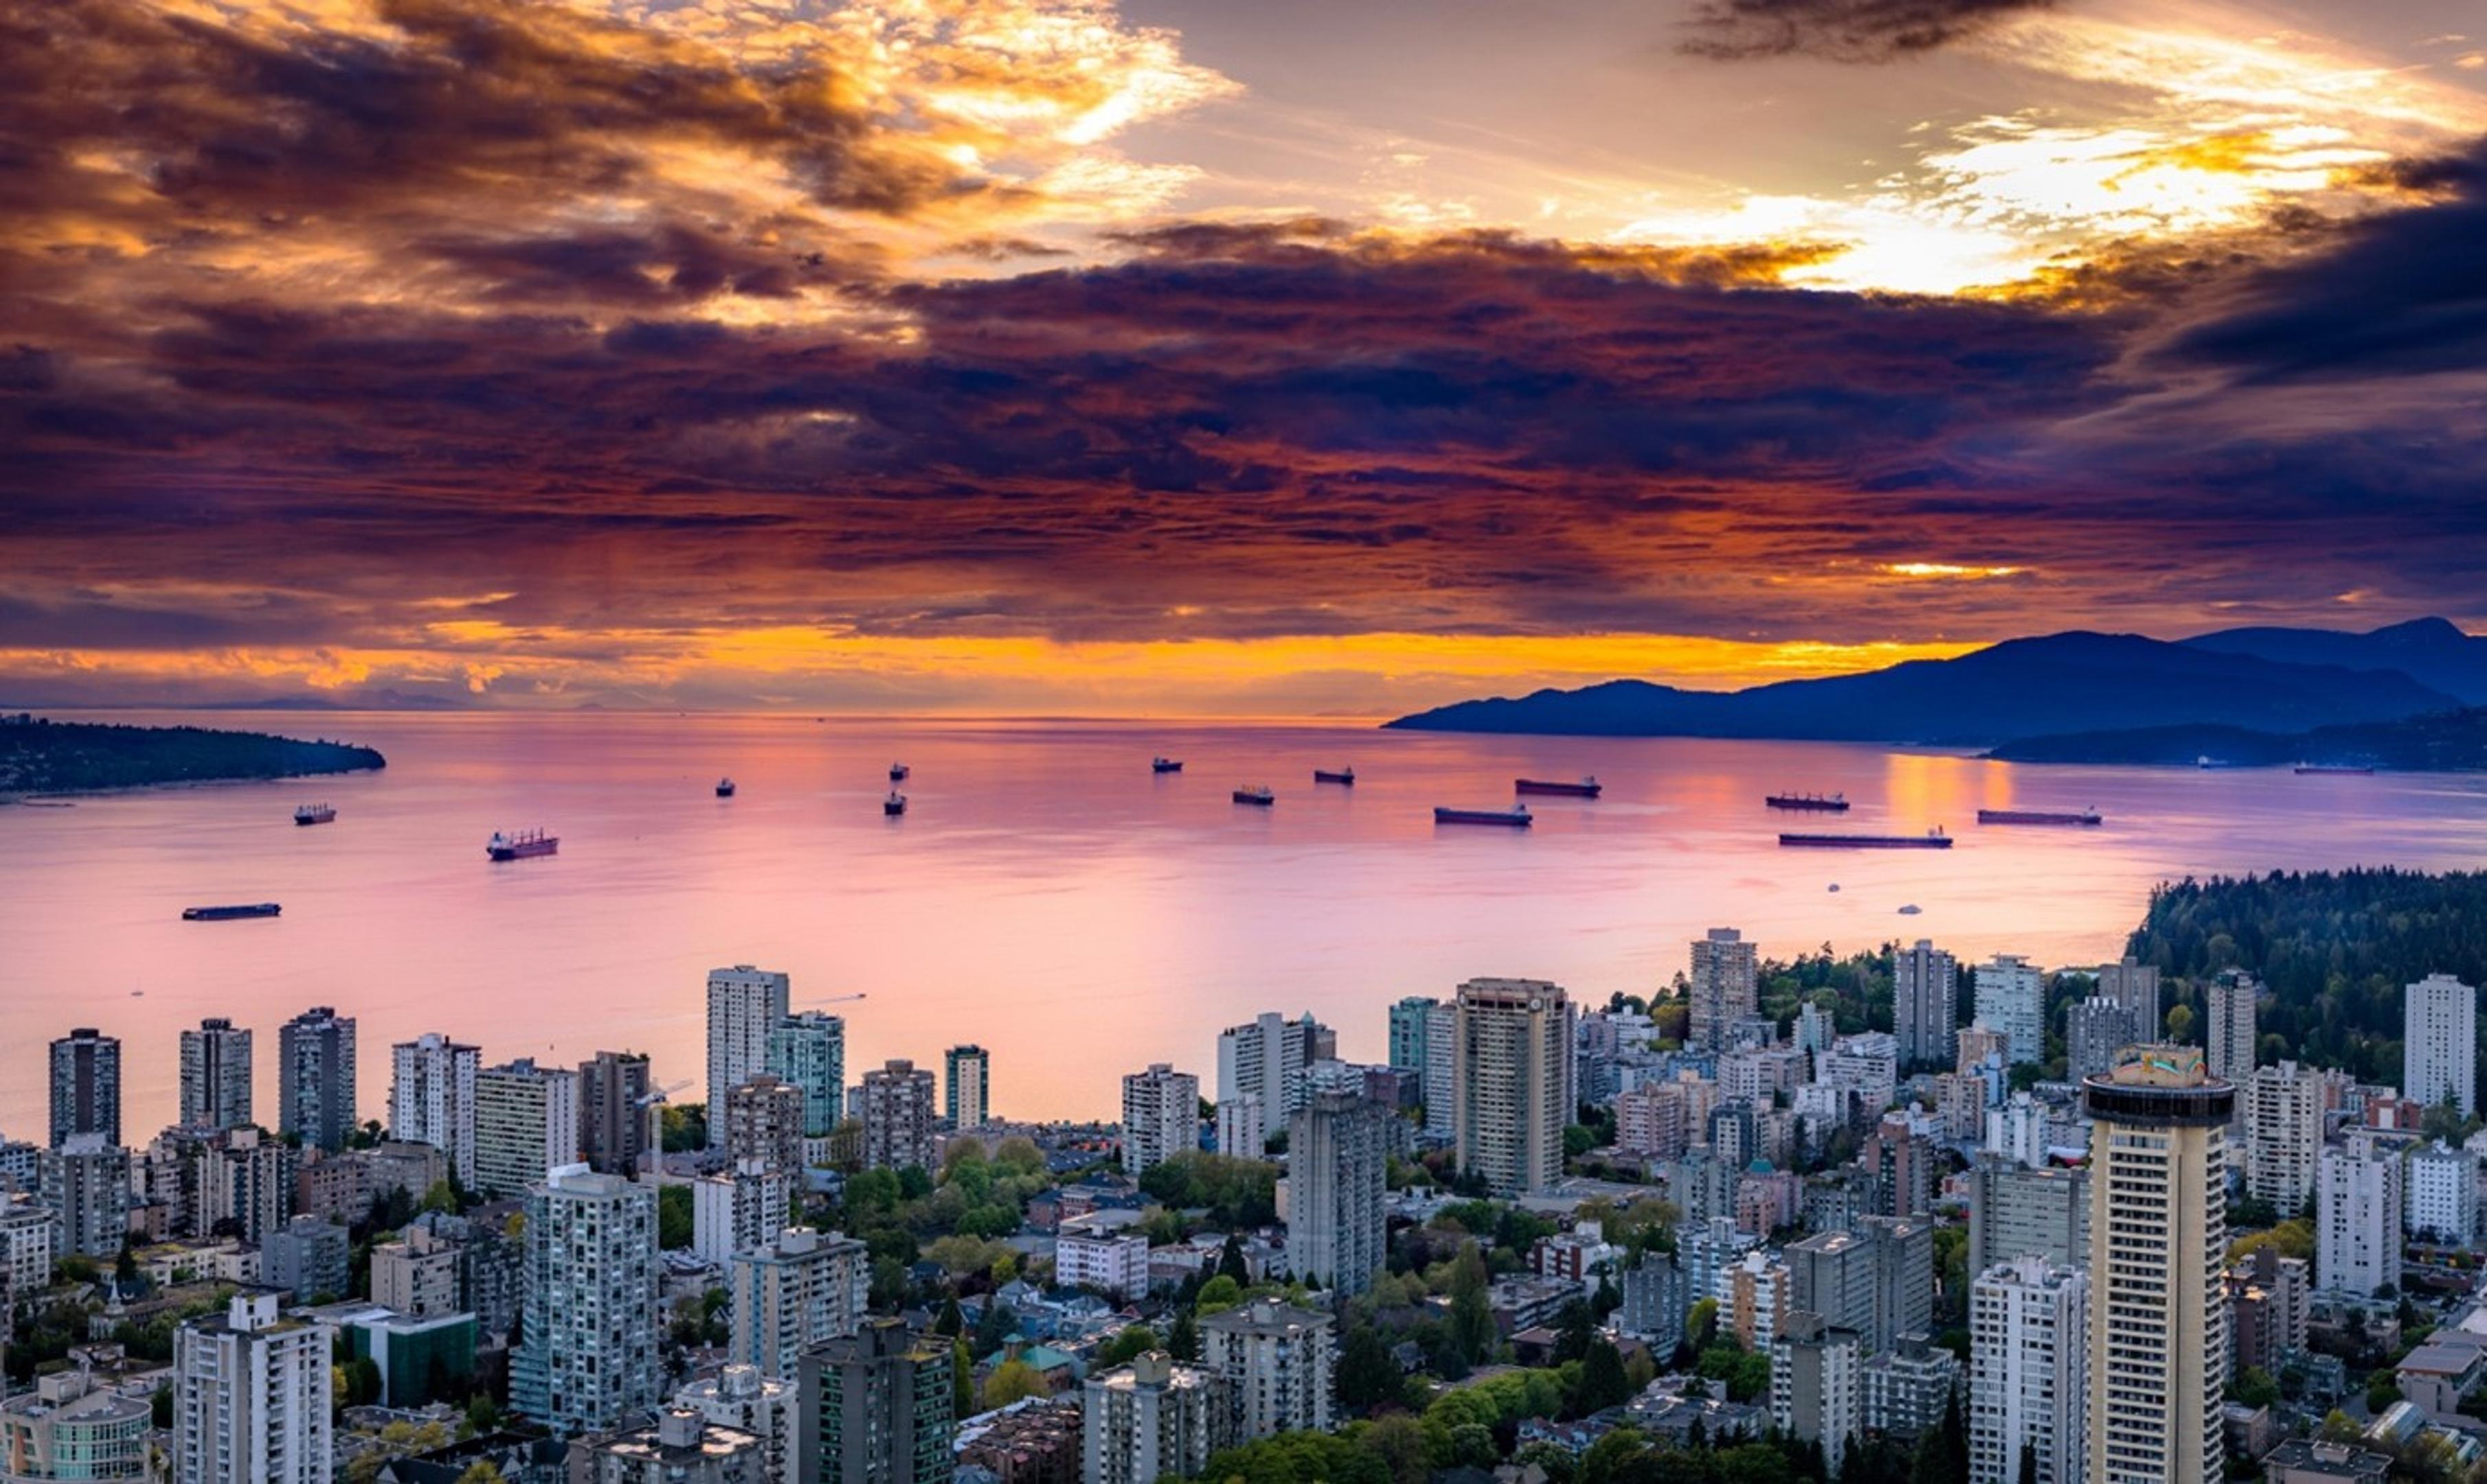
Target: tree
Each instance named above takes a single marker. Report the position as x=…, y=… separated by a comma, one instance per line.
x=1012, y=1380
x=482, y=1471
x=994, y=1326
x=951, y=1322
x=684, y=1127
x=1700, y=1323
x=1183, y=1341
x=674, y=1225
x=1230, y=1261
x=1472, y=1331
x=1368, y=1373
x=1603, y=1383
x=2028, y=1464
x=1218, y=1294
x=1943, y=1453
x=1574, y=1328
x=2180, y=1023
x=1600, y=1464
x=1123, y=1346
x=962, y=1379
x=1398, y=1440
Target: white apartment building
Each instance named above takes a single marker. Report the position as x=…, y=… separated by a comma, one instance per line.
x=737, y=1210
x=2012, y=998
x=526, y=1125
x=1243, y=1127
x=1118, y=1265
x=1867, y=1064
x=432, y=1096
x=2442, y=1196
x=2439, y=1043
x=251, y=1398
x=1160, y=1117
x=744, y=1005
x=1264, y=1059
x=2029, y=1371
x=2358, y=1210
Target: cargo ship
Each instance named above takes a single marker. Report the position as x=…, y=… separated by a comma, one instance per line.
x=522, y=846
x=1830, y=803
x=1165, y=765
x=897, y=772
x=725, y=788
x=314, y=814
x=1516, y=816
x=1931, y=840
x=894, y=805
x=1260, y=795
x=2322, y=769
x=1346, y=776
x=2039, y=816
x=1586, y=788
x=228, y=913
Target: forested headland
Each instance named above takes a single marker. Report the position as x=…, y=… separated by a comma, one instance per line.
x=40, y=756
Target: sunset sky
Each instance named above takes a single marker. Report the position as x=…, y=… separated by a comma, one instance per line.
x=1216, y=357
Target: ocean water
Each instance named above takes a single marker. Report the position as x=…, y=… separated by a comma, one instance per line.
x=1045, y=895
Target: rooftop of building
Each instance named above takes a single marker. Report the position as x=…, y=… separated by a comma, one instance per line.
x=79, y=1396
x=678, y=1437
x=1268, y=1316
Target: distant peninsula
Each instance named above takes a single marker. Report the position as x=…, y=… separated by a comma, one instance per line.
x=2442, y=742
x=2285, y=681
x=2279, y=680
x=40, y=756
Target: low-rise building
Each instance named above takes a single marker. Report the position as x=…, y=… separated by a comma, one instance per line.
x=1032, y=1441
x=1118, y=1265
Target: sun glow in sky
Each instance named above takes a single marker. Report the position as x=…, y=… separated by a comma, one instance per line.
x=1173, y=355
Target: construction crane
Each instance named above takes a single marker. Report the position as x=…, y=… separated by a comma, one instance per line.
x=834, y=999
x=657, y=1095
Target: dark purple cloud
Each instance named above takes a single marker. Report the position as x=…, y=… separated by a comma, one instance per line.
x=1841, y=30
x=566, y=420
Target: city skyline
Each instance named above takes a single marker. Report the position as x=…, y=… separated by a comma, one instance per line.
x=1305, y=363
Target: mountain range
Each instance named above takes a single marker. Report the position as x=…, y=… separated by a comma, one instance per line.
x=2285, y=681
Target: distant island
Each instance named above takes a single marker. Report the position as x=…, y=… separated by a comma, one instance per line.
x=40, y=756
x=2283, y=682
x=2441, y=742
